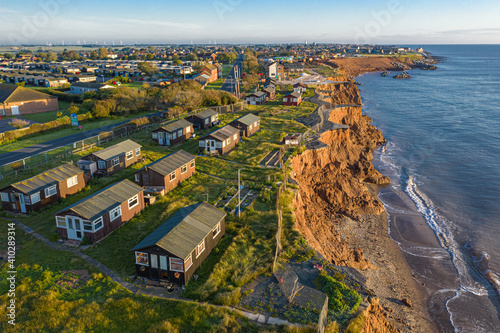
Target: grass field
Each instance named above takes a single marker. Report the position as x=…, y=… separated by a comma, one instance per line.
x=44, y=117
x=216, y=85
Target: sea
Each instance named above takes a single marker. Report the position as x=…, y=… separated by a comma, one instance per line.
x=443, y=157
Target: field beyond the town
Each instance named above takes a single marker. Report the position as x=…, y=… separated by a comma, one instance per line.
x=358, y=65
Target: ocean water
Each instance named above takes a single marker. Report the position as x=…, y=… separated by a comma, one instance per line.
x=443, y=156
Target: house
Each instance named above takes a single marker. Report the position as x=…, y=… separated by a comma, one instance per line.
x=167, y=172
x=292, y=99
x=270, y=92
x=173, y=133
x=83, y=87
x=32, y=194
x=220, y=141
x=270, y=81
x=256, y=98
x=211, y=71
x=280, y=72
x=99, y=214
x=204, y=119
x=292, y=139
x=300, y=88
x=248, y=124
x=271, y=69
x=177, y=248
x=55, y=82
x=16, y=100
x=112, y=159
x=82, y=78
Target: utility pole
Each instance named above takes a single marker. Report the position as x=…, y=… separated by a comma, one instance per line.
x=239, y=196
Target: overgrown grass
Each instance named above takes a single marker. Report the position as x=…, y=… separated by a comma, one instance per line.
x=356, y=325
x=227, y=170
x=253, y=149
x=216, y=85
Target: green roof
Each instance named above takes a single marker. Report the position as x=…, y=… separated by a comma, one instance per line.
x=47, y=178
x=247, y=119
x=222, y=133
x=205, y=114
x=104, y=200
x=171, y=162
x=176, y=125
x=184, y=230
x=12, y=94
x=117, y=150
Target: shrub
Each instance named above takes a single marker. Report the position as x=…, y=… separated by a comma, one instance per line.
x=19, y=123
x=340, y=298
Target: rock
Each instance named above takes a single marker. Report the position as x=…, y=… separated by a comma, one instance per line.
x=407, y=302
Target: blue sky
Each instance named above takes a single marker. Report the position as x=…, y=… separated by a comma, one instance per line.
x=239, y=21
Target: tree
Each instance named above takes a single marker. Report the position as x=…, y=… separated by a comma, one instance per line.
x=148, y=68
x=103, y=53
x=150, y=56
x=73, y=109
x=94, y=55
x=192, y=56
x=151, y=49
x=51, y=56
x=8, y=56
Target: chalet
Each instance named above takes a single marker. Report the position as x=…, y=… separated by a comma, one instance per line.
x=299, y=87
x=54, y=82
x=292, y=99
x=83, y=87
x=173, y=133
x=270, y=91
x=270, y=81
x=112, y=159
x=177, y=248
x=99, y=214
x=248, y=124
x=168, y=172
x=204, y=119
x=32, y=194
x=16, y=100
x=220, y=141
x=256, y=98
x=292, y=139
x=82, y=78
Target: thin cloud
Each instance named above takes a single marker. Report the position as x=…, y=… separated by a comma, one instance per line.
x=167, y=24
x=6, y=10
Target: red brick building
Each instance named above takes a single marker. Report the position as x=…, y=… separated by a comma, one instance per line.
x=16, y=100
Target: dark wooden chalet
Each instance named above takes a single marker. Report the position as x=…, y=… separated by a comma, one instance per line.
x=256, y=98
x=99, y=214
x=43, y=189
x=178, y=247
x=248, y=124
x=300, y=88
x=112, y=159
x=292, y=99
x=204, y=119
x=270, y=92
x=220, y=141
x=173, y=133
x=167, y=172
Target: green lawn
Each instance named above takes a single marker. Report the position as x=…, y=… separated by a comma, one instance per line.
x=44, y=117
x=251, y=150
x=216, y=85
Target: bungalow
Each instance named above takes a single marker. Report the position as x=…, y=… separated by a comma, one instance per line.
x=167, y=172
x=82, y=78
x=177, y=248
x=16, y=100
x=270, y=91
x=292, y=139
x=220, y=141
x=204, y=119
x=54, y=82
x=112, y=159
x=292, y=99
x=256, y=98
x=299, y=87
x=99, y=214
x=173, y=133
x=83, y=87
x=248, y=124
x=32, y=194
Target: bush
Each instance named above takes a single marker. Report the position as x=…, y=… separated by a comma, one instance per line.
x=341, y=300
x=19, y=123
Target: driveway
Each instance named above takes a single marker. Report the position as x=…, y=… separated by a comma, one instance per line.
x=4, y=124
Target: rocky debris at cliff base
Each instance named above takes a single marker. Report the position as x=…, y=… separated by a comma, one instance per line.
x=384, y=74
x=402, y=76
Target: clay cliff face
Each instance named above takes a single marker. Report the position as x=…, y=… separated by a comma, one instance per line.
x=375, y=319
x=332, y=184
x=343, y=93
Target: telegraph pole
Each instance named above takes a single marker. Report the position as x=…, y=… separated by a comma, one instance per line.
x=239, y=196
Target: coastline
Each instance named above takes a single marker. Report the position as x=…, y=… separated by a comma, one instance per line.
x=360, y=232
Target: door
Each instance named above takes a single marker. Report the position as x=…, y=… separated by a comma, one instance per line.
x=22, y=203
x=160, y=138
x=74, y=228
x=145, y=179
x=155, y=272
x=210, y=145
x=15, y=110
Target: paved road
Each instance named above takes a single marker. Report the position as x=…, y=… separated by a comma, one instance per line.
x=19, y=154
x=229, y=82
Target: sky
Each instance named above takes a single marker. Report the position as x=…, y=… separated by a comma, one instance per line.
x=238, y=21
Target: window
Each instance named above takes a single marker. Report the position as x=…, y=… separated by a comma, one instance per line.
x=192, y=164
x=137, y=177
x=5, y=197
x=138, y=152
x=34, y=198
x=115, y=161
x=87, y=226
x=132, y=202
x=188, y=129
x=216, y=230
x=72, y=181
x=206, y=121
x=184, y=168
x=115, y=213
x=188, y=263
x=155, y=135
x=176, y=265
x=50, y=191
x=130, y=155
x=61, y=221
x=250, y=127
x=163, y=263
x=179, y=133
x=154, y=261
x=141, y=258
x=228, y=141
x=202, y=143
x=172, y=176
x=223, y=143
x=98, y=224
x=174, y=135
x=200, y=248
x=102, y=165
x=235, y=136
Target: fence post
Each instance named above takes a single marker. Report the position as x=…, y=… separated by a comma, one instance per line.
x=66, y=151
x=99, y=140
x=24, y=164
x=46, y=160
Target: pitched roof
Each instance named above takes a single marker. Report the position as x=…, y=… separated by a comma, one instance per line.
x=299, y=85
x=171, y=162
x=105, y=200
x=91, y=85
x=222, y=133
x=248, y=119
x=257, y=94
x=176, y=125
x=205, y=114
x=116, y=150
x=12, y=94
x=294, y=94
x=269, y=89
x=181, y=233
x=47, y=178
